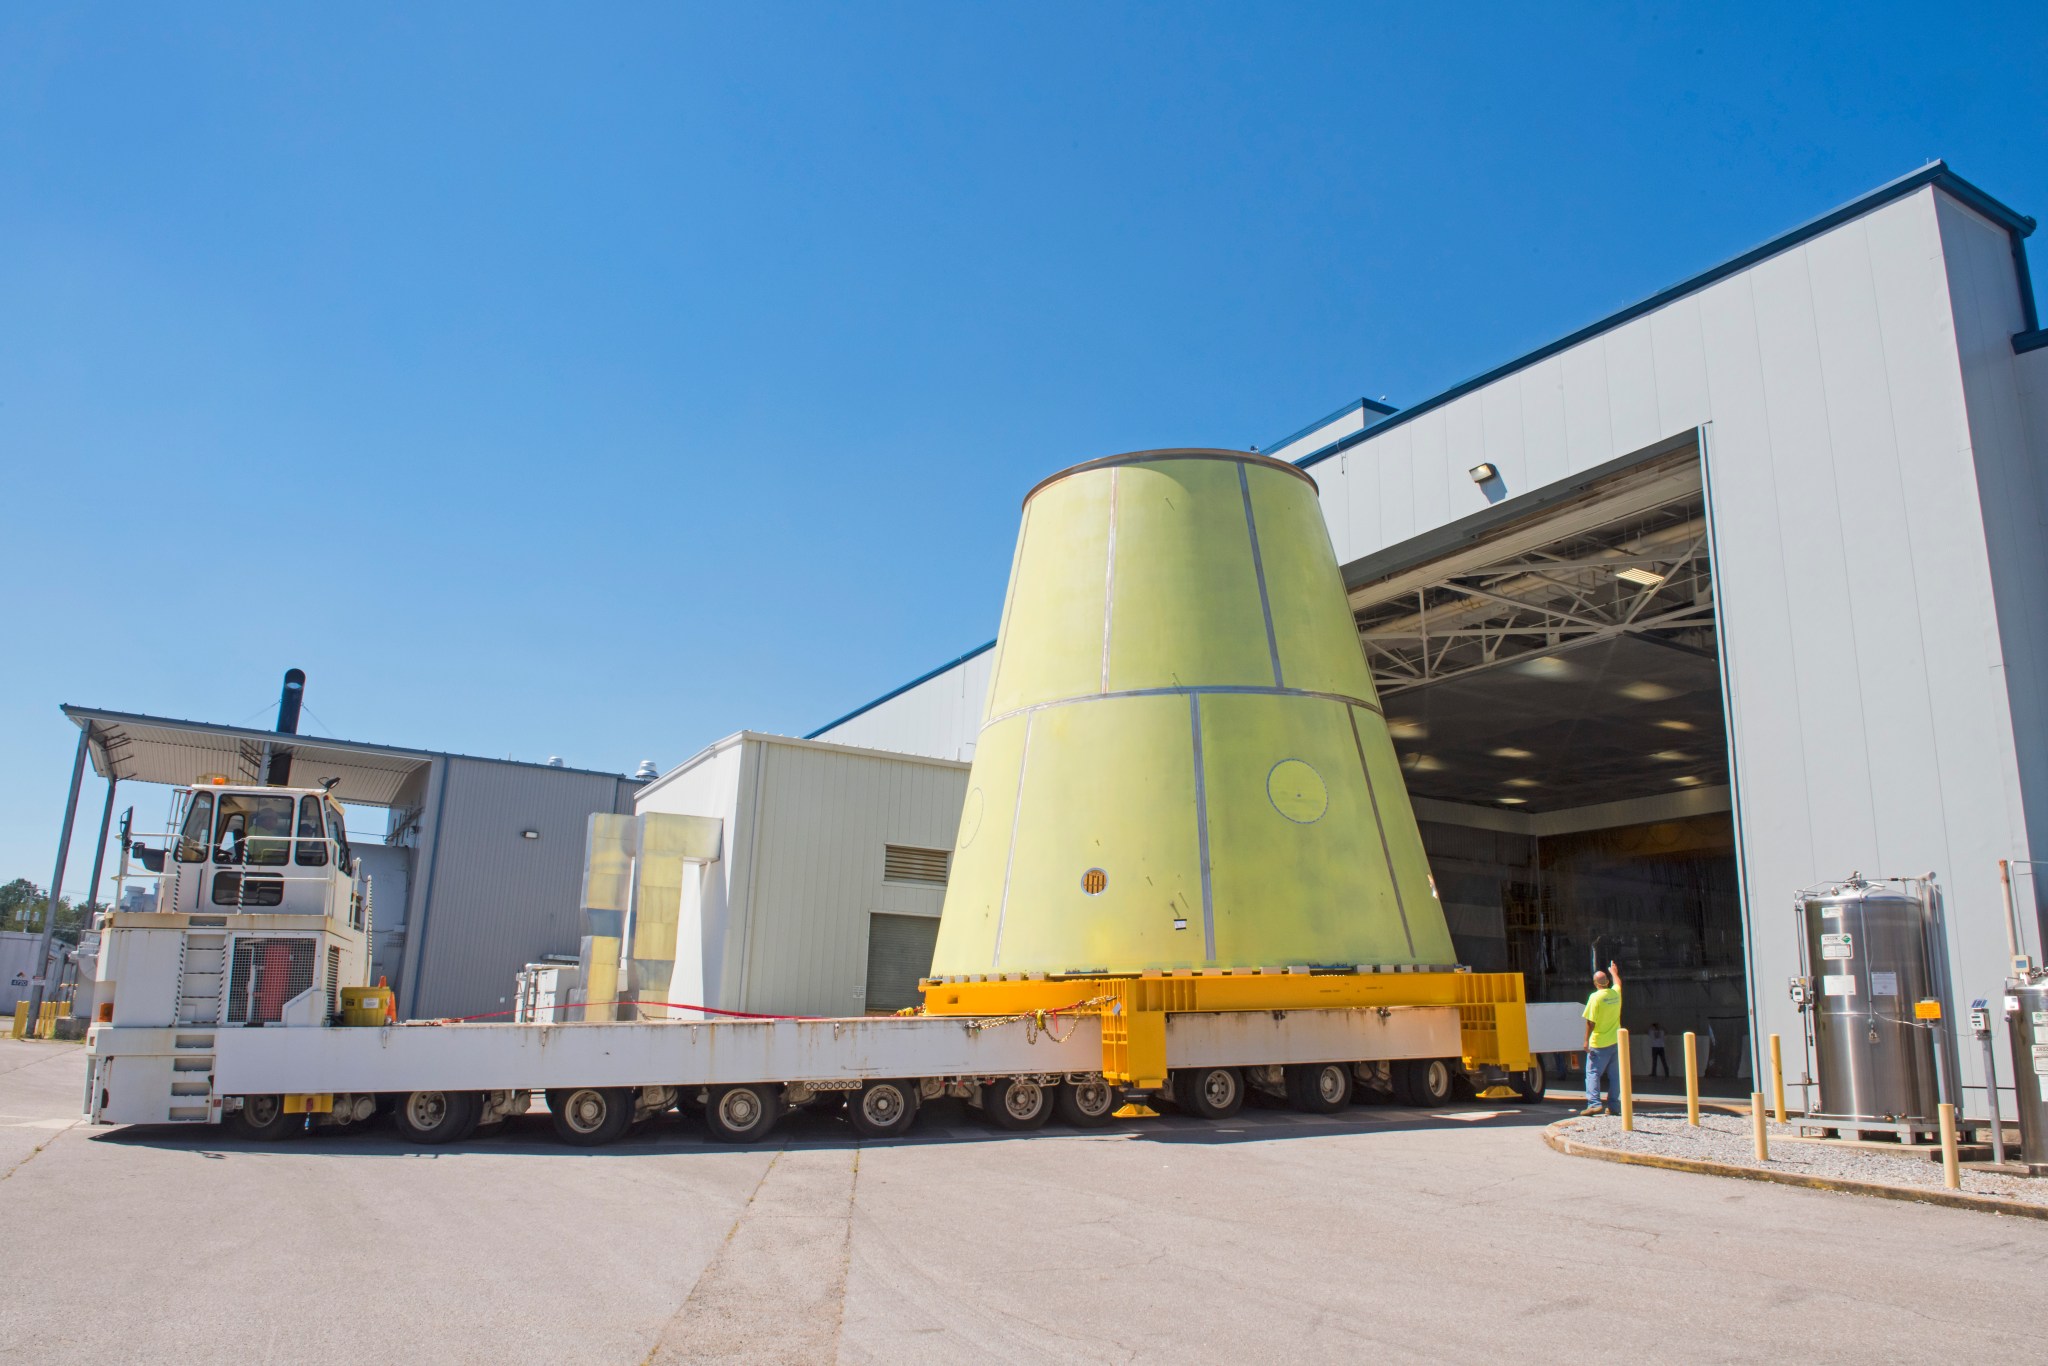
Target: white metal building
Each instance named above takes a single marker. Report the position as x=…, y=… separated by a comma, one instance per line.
x=1735, y=591
x=826, y=897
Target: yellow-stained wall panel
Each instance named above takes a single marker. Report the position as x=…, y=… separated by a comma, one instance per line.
x=1054, y=642
x=981, y=850
x=1312, y=623
x=1108, y=786
x=1186, y=598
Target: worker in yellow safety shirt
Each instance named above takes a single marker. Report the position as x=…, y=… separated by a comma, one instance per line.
x=1603, y=1024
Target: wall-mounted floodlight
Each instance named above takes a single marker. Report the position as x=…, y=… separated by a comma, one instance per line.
x=1482, y=472
x=529, y=834
x=1643, y=578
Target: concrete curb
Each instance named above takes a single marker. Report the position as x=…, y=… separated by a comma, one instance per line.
x=1985, y=1204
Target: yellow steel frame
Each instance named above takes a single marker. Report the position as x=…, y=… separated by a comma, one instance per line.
x=1492, y=1017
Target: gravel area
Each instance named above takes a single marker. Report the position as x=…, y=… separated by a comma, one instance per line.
x=1727, y=1138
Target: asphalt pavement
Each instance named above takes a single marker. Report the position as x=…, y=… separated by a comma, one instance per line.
x=1379, y=1232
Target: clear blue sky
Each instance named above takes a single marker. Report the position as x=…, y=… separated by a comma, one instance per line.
x=597, y=381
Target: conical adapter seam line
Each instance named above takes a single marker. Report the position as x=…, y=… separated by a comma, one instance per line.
x=1251, y=526
x=1393, y=877
x=1184, y=689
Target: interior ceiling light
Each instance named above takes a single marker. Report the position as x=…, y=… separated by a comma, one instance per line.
x=1407, y=728
x=1649, y=692
x=1523, y=782
x=1423, y=763
x=1671, y=756
x=1686, y=780
x=1510, y=752
x=1648, y=578
x=1676, y=725
x=1546, y=666
x=1512, y=801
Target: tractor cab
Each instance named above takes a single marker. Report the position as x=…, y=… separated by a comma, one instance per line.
x=261, y=913
x=282, y=850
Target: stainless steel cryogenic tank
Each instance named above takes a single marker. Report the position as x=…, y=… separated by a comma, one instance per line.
x=2026, y=1017
x=1867, y=948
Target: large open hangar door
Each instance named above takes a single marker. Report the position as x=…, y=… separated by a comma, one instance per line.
x=1550, y=675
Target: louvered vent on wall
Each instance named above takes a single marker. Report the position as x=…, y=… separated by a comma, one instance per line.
x=333, y=983
x=901, y=863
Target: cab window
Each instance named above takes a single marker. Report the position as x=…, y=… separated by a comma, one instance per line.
x=253, y=830
x=312, y=846
x=344, y=860
x=192, y=837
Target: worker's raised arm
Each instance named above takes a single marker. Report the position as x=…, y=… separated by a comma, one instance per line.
x=1614, y=973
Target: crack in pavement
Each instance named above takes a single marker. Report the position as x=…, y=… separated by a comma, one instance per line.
x=33, y=1152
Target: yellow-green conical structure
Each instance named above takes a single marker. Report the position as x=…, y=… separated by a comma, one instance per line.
x=1183, y=763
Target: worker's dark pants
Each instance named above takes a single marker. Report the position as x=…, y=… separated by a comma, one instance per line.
x=1657, y=1061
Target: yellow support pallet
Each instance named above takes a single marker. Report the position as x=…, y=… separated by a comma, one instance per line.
x=1492, y=1016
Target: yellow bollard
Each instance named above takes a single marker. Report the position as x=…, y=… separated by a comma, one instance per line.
x=1692, y=1079
x=20, y=1020
x=1951, y=1170
x=1778, y=1079
x=1624, y=1081
x=46, y=1022
x=1763, y=1138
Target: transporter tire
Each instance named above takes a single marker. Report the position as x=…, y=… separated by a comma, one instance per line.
x=1531, y=1083
x=590, y=1116
x=1424, y=1082
x=1318, y=1088
x=882, y=1109
x=1209, y=1092
x=1087, y=1104
x=741, y=1114
x=436, y=1117
x=1017, y=1103
x=262, y=1119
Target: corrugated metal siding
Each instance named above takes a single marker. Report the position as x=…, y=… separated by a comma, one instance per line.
x=823, y=819
x=495, y=901
x=939, y=718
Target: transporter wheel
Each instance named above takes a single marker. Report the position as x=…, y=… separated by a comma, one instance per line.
x=590, y=1116
x=1423, y=1081
x=1530, y=1084
x=1318, y=1088
x=882, y=1109
x=1017, y=1103
x=740, y=1114
x=1087, y=1104
x=262, y=1119
x=436, y=1116
x=1210, y=1092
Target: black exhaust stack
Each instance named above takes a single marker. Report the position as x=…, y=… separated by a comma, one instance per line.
x=280, y=771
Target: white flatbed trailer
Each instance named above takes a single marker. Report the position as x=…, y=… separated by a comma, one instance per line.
x=230, y=1005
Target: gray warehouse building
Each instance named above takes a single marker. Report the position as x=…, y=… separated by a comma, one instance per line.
x=1734, y=592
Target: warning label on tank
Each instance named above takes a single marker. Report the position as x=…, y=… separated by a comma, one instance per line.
x=1836, y=946
x=1884, y=984
x=1837, y=985
x=2041, y=1059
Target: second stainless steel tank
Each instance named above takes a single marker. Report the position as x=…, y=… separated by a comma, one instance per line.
x=1868, y=953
